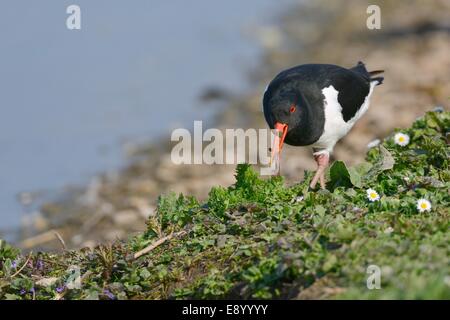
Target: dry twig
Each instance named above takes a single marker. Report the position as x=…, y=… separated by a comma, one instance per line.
x=61, y=240
x=23, y=266
x=158, y=243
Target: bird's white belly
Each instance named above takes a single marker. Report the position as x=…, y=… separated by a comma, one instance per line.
x=335, y=127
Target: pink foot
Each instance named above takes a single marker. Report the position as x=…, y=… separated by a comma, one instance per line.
x=322, y=160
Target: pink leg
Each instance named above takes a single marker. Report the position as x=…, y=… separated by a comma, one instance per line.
x=322, y=160
x=322, y=180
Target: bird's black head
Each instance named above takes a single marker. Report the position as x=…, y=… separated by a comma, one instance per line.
x=293, y=105
x=283, y=110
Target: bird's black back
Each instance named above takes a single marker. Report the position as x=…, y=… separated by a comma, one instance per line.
x=353, y=85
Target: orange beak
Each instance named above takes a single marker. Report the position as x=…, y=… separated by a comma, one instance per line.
x=281, y=131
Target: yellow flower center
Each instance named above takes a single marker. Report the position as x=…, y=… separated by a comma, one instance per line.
x=401, y=139
x=373, y=195
x=423, y=205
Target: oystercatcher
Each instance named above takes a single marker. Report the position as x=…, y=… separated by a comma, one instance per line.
x=316, y=105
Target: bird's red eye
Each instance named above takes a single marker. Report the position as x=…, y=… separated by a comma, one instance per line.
x=292, y=109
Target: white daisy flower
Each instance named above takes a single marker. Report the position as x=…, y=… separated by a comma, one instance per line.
x=447, y=280
x=401, y=139
x=438, y=109
x=373, y=143
x=372, y=195
x=423, y=205
x=299, y=199
x=389, y=230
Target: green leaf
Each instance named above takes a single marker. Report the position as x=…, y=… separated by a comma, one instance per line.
x=355, y=177
x=9, y=296
x=7, y=267
x=387, y=160
x=339, y=176
x=358, y=173
x=91, y=295
x=145, y=274
x=320, y=210
x=330, y=262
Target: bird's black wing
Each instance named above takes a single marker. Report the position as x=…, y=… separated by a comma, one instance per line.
x=352, y=87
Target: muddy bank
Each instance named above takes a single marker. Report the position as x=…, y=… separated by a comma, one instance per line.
x=412, y=46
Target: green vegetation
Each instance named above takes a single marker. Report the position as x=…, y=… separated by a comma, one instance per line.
x=262, y=239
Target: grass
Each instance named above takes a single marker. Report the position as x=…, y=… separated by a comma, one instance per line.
x=261, y=239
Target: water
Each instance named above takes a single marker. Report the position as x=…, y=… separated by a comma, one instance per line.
x=68, y=99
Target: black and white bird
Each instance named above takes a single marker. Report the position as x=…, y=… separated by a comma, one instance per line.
x=316, y=105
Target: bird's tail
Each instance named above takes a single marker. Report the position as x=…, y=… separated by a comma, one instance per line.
x=379, y=80
x=361, y=69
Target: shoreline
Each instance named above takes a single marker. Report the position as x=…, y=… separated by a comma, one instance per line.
x=59, y=139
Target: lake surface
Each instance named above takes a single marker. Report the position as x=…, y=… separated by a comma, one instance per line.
x=70, y=98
